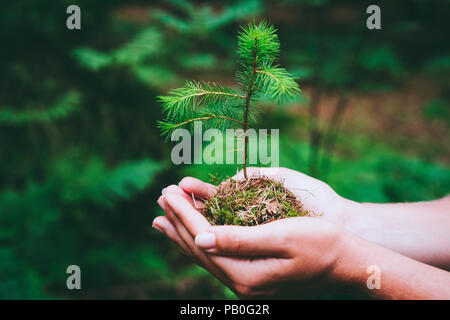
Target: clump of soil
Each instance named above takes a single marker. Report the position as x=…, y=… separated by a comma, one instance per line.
x=251, y=202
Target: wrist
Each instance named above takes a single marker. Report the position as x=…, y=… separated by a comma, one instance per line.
x=359, y=221
x=349, y=270
x=352, y=214
x=342, y=257
x=360, y=263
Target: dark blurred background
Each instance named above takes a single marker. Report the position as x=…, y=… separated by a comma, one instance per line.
x=83, y=162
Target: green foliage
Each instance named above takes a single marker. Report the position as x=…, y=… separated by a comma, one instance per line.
x=72, y=183
x=19, y=281
x=145, y=44
x=277, y=83
x=102, y=185
x=258, y=40
x=439, y=64
x=135, y=54
x=212, y=116
x=38, y=213
x=381, y=59
x=182, y=106
x=92, y=59
x=258, y=50
x=194, y=94
x=204, y=19
x=146, y=53
x=60, y=109
x=437, y=110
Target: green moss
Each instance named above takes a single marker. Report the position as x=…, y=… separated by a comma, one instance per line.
x=251, y=202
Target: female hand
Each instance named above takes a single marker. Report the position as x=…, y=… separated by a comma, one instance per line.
x=288, y=258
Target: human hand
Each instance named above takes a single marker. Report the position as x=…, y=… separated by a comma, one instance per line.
x=316, y=196
x=288, y=258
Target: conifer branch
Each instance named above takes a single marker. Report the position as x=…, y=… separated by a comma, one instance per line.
x=278, y=82
x=181, y=124
x=169, y=126
x=258, y=49
x=181, y=100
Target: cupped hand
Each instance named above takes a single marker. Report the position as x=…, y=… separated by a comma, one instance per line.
x=316, y=196
x=289, y=257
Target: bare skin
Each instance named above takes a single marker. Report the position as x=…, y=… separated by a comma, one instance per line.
x=304, y=257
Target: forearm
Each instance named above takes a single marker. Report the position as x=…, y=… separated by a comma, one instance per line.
x=418, y=230
x=400, y=277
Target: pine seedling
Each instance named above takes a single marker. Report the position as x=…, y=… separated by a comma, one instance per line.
x=218, y=106
x=259, y=78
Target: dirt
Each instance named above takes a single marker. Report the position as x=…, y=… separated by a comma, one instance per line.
x=251, y=202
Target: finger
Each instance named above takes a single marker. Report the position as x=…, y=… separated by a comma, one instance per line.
x=161, y=203
x=164, y=225
x=230, y=240
x=198, y=204
x=228, y=270
x=173, y=220
x=264, y=240
x=192, y=220
x=258, y=273
x=173, y=189
x=198, y=188
x=182, y=233
x=200, y=257
x=183, y=238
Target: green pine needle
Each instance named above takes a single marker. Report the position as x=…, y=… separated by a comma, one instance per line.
x=185, y=99
x=218, y=106
x=261, y=38
x=278, y=83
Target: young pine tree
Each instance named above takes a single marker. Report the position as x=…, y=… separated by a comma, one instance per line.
x=218, y=106
x=260, y=78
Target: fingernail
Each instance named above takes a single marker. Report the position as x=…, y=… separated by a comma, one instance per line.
x=161, y=203
x=205, y=240
x=158, y=228
x=159, y=224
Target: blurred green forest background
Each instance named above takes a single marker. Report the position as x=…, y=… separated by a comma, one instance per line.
x=83, y=162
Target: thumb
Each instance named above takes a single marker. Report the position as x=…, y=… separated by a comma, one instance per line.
x=198, y=188
x=263, y=240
